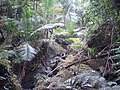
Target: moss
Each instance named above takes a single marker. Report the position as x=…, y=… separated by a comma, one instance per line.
x=83, y=67
x=77, y=47
x=69, y=41
x=72, y=40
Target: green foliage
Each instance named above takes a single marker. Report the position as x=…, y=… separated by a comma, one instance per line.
x=59, y=30
x=91, y=50
x=117, y=51
x=99, y=12
x=26, y=52
x=11, y=26
x=17, y=3
x=27, y=25
x=4, y=59
x=72, y=40
x=5, y=62
x=116, y=59
x=23, y=52
x=76, y=47
x=70, y=27
x=23, y=27
x=69, y=41
x=46, y=10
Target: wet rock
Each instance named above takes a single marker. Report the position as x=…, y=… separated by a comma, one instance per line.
x=117, y=87
x=59, y=78
x=84, y=68
x=95, y=64
x=111, y=83
x=55, y=49
x=61, y=40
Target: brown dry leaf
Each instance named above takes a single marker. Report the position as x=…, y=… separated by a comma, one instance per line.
x=101, y=69
x=70, y=58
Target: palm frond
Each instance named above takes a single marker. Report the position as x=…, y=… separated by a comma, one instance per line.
x=48, y=26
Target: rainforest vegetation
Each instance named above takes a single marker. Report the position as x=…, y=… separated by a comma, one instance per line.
x=59, y=44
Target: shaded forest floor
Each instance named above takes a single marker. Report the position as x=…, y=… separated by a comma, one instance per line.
x=62, y=66
x=59, y=45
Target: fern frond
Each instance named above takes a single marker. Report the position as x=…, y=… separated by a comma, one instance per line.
x=5, y=62
x=26, y=52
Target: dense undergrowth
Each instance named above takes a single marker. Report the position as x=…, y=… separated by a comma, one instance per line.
x=74, y=24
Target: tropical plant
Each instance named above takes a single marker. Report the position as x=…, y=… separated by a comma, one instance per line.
x=116, y=59
x=22, y=28
x=4, y=59
x=26, y=52
x=100, y=11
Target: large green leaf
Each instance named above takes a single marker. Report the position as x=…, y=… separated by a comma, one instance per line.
x=26, y=52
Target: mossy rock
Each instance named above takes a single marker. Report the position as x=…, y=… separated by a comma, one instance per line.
x=84, y=67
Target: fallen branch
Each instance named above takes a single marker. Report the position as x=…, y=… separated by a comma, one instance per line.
x=65, y=67
x=76, y=61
